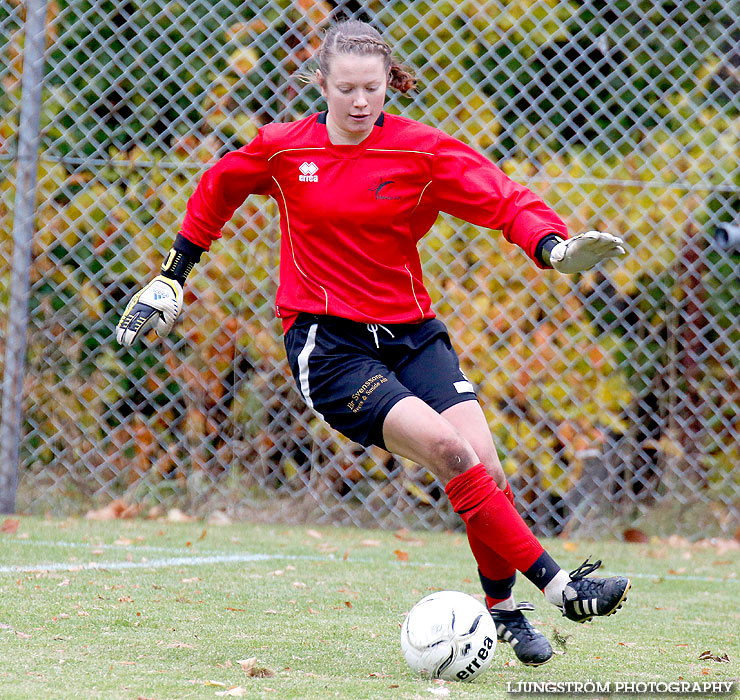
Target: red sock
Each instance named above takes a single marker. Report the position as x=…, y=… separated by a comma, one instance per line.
x=497, y=575
x=491, y=518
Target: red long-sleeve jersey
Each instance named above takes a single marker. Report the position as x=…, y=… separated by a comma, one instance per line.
x=351, y=215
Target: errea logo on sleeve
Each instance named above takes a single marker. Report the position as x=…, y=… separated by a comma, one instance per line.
x=308, y=172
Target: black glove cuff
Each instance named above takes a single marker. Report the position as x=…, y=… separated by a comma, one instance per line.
x=181, y=259
x=544, y=248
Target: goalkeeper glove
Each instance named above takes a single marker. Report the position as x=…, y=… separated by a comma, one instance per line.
x=159, y=303
x=583, y=251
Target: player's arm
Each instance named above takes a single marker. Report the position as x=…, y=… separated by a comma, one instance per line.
x=221, y=189
x=468, y=185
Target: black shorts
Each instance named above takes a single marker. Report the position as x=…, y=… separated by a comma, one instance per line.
x=353, y=373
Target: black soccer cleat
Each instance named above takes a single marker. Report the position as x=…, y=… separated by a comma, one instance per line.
x=585, y=598
x=530, y=646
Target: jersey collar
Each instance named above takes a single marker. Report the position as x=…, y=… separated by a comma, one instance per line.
x=340, y=150
x=322, y=118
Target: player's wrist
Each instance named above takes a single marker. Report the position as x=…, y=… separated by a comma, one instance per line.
x=544, y=249
x=181, y=259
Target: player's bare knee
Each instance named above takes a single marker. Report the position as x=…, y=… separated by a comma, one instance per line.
x=451, y=454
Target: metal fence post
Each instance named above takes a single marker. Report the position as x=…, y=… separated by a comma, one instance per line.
x=23, y=229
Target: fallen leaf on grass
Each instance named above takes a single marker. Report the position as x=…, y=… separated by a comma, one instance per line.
x=560, y=638
x=238, y=609
x=315, y=534
x=10, y=526
x=635, y=535
x=179, y=645
x=709, y=656
x=123, y=542
x=626, y=644
x=570, y=546
x=115, y=510
x=401, y=555
x=404, y=535
x=370, y=543
x=236, y=692
x=250, y=667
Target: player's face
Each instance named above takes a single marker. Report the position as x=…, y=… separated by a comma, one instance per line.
x=355, y=94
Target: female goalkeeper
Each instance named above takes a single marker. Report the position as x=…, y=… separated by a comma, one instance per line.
x=357, y=188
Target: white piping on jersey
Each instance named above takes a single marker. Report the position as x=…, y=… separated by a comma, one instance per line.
x=292, y=252
x=303, y=148
x=421, y=195
x=373, y=328
x=303, y=366
x=413, y=291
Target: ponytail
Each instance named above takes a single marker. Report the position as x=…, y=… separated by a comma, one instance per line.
x=401, y=78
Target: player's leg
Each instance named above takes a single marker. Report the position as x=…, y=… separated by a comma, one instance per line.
x=496, y=574
x=433, y=374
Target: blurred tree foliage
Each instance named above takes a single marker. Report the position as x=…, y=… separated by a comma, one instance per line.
x=631, y=127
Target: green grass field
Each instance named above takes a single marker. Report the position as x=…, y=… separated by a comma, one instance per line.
x=147, y=609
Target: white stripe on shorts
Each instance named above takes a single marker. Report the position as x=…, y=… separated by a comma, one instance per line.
x=303, y=366
x=464, y=387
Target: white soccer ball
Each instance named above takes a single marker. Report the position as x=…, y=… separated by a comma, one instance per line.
x=449, y=635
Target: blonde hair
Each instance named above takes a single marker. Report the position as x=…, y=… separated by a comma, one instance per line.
x=355, y=37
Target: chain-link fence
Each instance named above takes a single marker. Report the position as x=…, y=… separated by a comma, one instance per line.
x=614, y=396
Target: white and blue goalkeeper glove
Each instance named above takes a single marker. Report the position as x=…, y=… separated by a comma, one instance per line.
x=159, y=303
x=585, y=250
